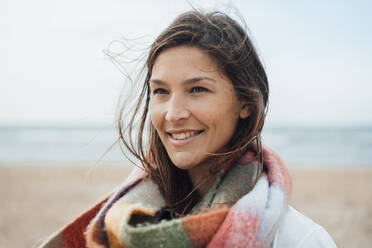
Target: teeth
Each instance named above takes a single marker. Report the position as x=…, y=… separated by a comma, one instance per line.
x=181, y=136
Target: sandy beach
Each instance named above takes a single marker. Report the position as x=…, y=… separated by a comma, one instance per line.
x=38, y=200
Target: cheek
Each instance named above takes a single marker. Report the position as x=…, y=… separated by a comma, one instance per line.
x=221, y=115
x=223, y=123
x=155, y=115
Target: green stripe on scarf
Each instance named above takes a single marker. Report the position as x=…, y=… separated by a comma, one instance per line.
x=163, y=234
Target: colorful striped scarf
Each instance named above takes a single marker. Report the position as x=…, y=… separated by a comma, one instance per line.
x=231, y=214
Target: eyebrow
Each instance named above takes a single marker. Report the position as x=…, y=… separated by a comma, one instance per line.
x=187, y=81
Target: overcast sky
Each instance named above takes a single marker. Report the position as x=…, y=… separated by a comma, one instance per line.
x=318, y=56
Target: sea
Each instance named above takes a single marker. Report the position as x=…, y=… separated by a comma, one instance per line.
x=86, y=145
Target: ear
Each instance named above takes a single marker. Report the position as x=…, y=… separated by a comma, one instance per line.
x=244, y=111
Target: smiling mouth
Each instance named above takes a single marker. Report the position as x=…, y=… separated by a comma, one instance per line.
x=184, y=135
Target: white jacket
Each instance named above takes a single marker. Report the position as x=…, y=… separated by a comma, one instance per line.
x=298, y=231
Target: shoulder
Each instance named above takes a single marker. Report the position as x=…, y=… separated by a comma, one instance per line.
x=298, y=231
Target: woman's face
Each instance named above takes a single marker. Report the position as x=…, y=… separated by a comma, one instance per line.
x=193, y=106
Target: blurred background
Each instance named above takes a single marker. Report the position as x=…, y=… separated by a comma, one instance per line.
x=59, y=93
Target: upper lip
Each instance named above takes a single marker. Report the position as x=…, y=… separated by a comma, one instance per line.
x=182, y=131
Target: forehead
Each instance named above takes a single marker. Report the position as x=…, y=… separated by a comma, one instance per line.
x=184, y=59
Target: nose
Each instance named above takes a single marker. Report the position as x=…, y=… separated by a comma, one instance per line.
x=177, y=109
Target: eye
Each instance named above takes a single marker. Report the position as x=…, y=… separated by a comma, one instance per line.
x=198, y=89
x=159, y=91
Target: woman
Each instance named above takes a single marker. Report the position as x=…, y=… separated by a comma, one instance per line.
x=205, y=179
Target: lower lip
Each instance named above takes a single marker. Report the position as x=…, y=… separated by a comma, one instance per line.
x=183, y=142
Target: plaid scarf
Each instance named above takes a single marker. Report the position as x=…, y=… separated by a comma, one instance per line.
x=230, y=214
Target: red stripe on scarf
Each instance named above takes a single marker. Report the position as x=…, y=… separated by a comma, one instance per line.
x=238, y=230
x=200, y=228
x=73, y=233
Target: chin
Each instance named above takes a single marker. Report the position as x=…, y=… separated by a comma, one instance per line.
x=184, y=164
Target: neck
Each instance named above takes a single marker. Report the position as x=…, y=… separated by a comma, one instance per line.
x=201, y=177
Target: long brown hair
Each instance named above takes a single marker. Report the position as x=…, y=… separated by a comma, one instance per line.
x=228, y=43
